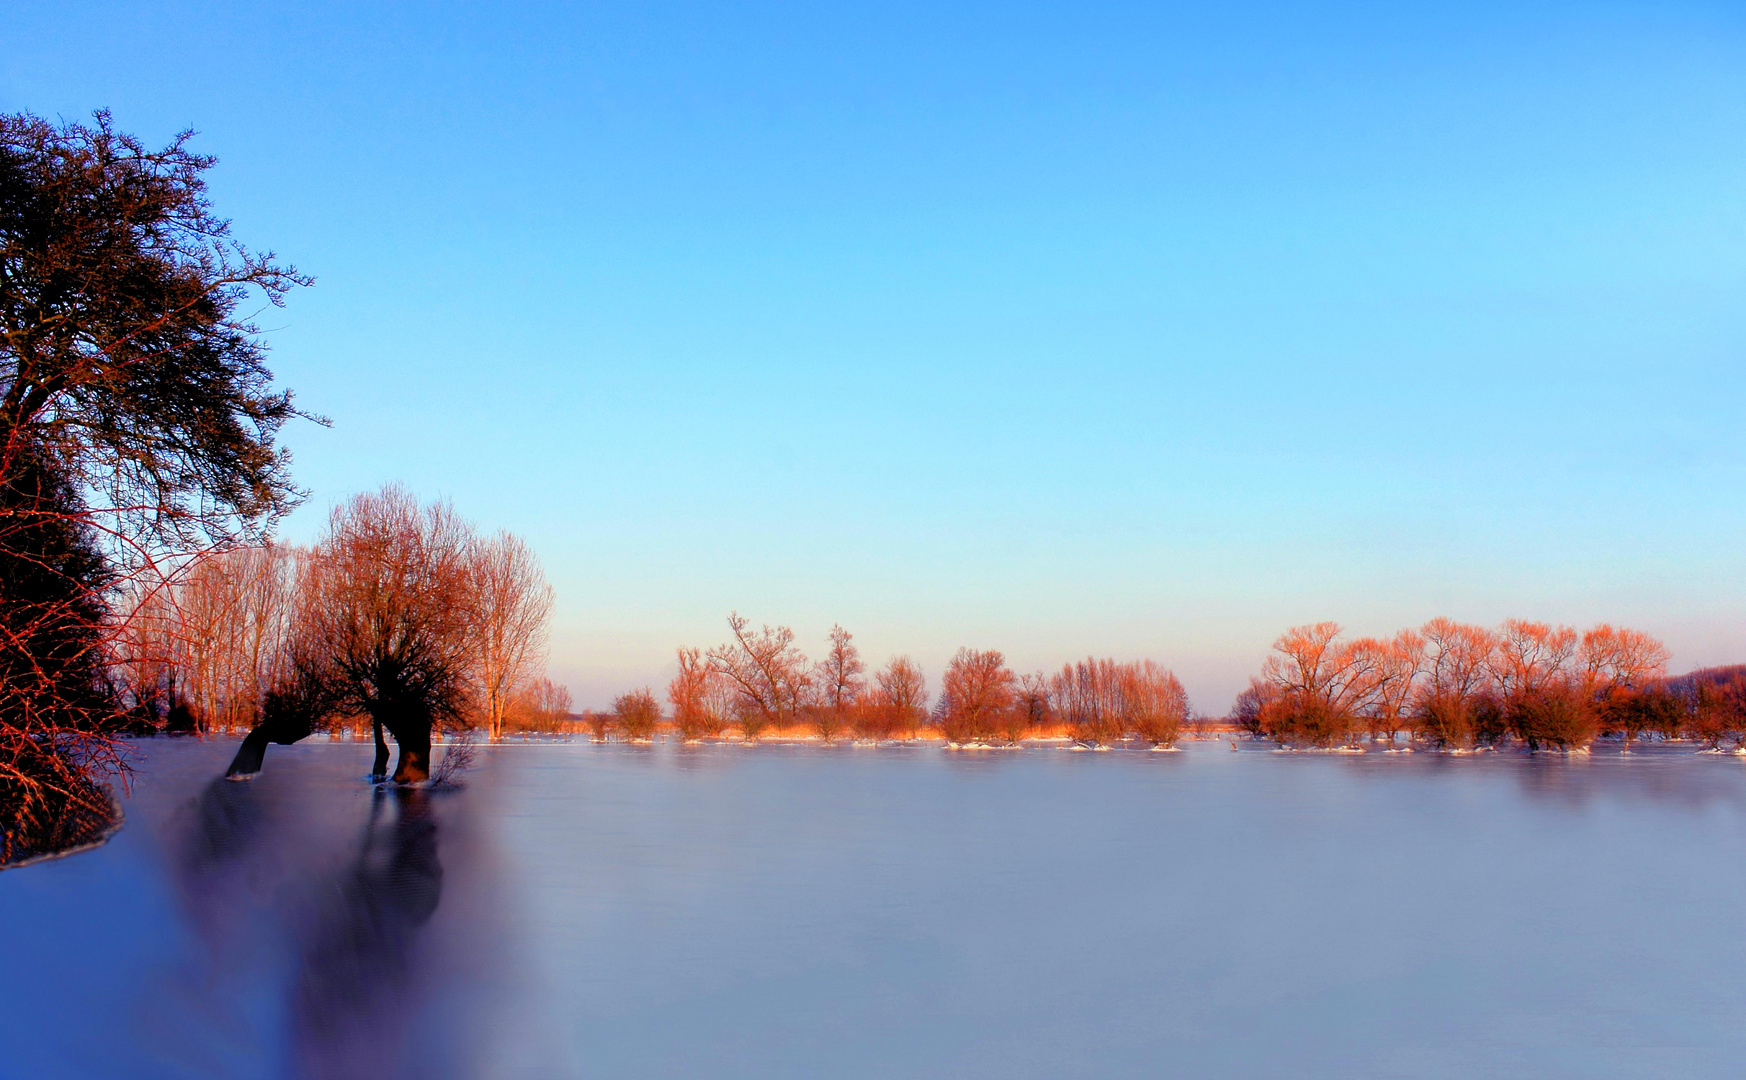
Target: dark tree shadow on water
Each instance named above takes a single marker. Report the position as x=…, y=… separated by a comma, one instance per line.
x=360, y=979
x=227, y=820
x=259, y=878
x=219, y=865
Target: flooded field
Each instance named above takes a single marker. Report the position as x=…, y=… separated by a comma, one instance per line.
x=785, y=911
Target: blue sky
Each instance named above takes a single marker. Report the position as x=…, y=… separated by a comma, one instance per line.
x=1128, y=330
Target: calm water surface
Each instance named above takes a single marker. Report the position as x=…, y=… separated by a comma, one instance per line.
x=724, y=912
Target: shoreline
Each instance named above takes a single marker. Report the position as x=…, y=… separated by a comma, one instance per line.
x=927, y=740
x=118, y=818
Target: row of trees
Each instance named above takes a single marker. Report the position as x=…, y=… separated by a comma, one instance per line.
x=394, y=591
x=759, y=681
x=1459, y=686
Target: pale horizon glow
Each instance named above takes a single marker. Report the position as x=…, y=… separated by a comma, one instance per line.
x=1125, y=330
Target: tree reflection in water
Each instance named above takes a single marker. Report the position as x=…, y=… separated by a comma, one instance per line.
x=353, y=922
x=589, y=895
x=358, y=982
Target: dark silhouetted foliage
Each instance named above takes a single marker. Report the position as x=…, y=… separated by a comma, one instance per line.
x=57, y=710
x=137, y=422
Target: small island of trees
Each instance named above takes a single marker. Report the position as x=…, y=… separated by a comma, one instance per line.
x=1459, y=687
x=759, y=683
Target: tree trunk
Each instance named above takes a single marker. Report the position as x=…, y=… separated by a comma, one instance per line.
x=379, y=771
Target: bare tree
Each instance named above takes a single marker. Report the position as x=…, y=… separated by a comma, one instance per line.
x=1322, y=686
x=1031, y=703
x=1250, y=712
x=1619, y=657
x=1454, y=703
x=637, y=714
x=273, y=577
x=838, y=683
x=699, y=696
x=1534, y=667
x=512, y=608
x=1153, y=703
x=975, y=692
x=1389, y=672
x=389, y=625
x=1458, y=657
x=1530, y=655
x=599, y=723
x=1086, y=697
x=203, y=605
x=538, y=705
x=1624, y=671
x=899, y=700
x=214, y=637
x=767, y=674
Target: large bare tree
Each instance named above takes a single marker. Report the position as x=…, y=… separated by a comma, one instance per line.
x=1452, y=704
x=1536, y=673
x=388, y=627
x=1322, y=686
x=768, y=674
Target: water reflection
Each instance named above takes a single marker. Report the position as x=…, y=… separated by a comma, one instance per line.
x=272, y=877
x=677, y=911
x=1676, y=777
x=359, y=977
x=1650, y=773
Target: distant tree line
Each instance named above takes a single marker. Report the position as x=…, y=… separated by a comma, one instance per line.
x=1456, y=686
x=1446, y=685
x=759, y=681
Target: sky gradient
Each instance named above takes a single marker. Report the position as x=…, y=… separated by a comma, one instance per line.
x=1127, y=330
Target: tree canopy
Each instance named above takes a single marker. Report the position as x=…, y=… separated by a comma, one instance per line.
x=127, y=365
